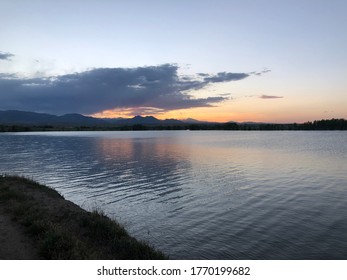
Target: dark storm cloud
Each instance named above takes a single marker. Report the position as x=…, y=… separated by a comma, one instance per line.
x=110, y=88
x=269, y=96
x=5, y=56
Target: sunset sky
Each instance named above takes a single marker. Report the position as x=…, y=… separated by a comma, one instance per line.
x=217, y=60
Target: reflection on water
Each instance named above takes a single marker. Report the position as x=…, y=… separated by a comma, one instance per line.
x=202, y=195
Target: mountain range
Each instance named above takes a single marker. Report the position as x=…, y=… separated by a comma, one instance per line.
x=14, y=117
x=13, y=120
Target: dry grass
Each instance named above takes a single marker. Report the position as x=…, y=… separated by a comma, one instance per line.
x=62, y=230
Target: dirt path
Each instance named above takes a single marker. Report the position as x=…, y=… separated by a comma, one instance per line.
x=14, y=244
x=35, y=216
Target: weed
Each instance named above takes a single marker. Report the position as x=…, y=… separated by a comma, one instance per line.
x=62, y=230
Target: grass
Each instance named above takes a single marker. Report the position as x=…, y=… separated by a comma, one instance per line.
x=62, y=230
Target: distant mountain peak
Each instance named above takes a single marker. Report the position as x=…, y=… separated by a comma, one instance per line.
x=32, y=118
x=74, y=119
x=195, y=121
x=145, y=117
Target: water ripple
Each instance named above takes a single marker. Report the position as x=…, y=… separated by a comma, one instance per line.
x=201, y=195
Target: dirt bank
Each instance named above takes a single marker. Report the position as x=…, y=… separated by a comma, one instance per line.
x=36, y=222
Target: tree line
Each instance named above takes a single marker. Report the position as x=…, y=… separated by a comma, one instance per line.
x=332, y=124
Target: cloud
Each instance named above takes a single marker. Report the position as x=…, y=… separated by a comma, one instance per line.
x=224, y=77
x=264, y=71
x=7, y=76
x=269, y=96
x=151, y=88
x=5, y=56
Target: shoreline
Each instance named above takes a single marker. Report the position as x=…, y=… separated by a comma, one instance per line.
x=36, y=222
x=324, y=124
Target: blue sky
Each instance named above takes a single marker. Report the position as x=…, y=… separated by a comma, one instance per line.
x=297, y=48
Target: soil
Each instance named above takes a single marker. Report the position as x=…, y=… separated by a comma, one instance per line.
x=36, y=222
x=14, y=243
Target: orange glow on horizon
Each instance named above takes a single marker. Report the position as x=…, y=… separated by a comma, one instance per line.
x=247, y=109
x=209, y=114
x=215, y=115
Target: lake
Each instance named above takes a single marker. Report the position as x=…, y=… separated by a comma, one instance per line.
x=201, y=194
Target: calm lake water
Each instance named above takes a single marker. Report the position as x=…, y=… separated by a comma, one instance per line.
x=201, y=195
